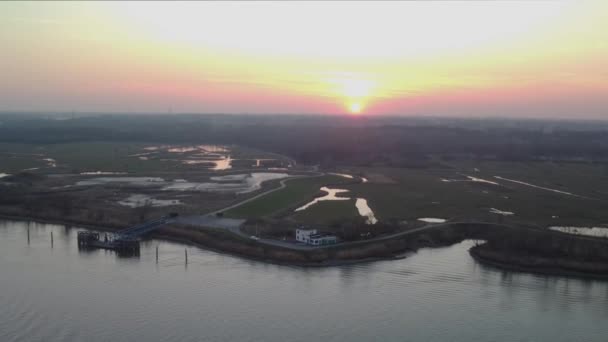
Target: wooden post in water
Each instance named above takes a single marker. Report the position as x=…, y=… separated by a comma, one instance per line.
x=157, y=254
x=51, y=239
x=186, y=254
x=28, y=236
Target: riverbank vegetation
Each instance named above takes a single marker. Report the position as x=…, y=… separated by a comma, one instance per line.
x=545, y=252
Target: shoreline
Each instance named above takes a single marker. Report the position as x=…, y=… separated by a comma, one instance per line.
x=222, y=242
x=189, y=242
x=330, y=263
x=494, y=262
x=85, y=225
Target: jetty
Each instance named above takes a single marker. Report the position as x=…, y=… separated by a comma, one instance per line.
x=125, y=241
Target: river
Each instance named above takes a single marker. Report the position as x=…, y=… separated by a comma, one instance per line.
x=58, y=293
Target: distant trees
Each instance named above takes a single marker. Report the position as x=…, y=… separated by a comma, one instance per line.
x=333, y=141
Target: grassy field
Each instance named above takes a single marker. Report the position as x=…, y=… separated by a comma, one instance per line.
x=108, y=157
x=416, y=193
x=406, y=194
x=327, y=212
x=296, y=192
x=90, y=156
x=403, y=194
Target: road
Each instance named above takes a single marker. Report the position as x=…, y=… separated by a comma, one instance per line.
x=233, y=225
x=294, y=246
x=282, y=186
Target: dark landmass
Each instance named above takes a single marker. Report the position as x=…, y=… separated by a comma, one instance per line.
x=544, y=251
x=362, y=144
x=518, y=248
x=405, y=142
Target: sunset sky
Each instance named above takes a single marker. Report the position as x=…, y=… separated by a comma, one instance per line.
x=476, y=58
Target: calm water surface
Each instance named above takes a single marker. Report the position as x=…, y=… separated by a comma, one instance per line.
x=61, y=294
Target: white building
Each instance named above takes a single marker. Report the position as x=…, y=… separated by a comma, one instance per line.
x=303, y=235
x=323, y=239
x=315, y=238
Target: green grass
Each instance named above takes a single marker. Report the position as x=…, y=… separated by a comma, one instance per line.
x=296, y=192
x=327, y=212
x=413, y=193
x=89, y=156
x=420, y=193
x=416, y=193
x=101, y=156
x=10, y=164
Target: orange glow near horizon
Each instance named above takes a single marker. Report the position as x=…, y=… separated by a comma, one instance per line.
x=513, y=58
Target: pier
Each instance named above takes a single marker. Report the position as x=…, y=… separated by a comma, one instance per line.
x=124, y=241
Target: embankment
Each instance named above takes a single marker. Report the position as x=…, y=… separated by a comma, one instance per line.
x=353, y=252
x=508, y=247
x=546, y=252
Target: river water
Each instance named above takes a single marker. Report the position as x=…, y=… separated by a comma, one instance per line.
x=58, y=293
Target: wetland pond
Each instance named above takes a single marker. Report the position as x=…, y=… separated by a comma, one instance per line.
x=237, y=183
x=332, y=195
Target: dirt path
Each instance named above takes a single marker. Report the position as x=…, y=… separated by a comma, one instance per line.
x=282, y=186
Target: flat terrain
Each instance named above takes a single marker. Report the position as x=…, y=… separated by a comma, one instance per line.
x=121, y=157
x=448, y=192
x=123, y=183
x=539, y=193
x=543, y=193
x=327, y=212
x=296, y=192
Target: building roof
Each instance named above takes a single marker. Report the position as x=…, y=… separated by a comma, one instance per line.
x=321, y=235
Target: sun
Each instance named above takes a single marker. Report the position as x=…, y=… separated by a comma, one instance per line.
x=356, y=92
x=355, y=108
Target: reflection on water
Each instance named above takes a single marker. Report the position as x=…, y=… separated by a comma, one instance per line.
x=140, y=200
x=469, y=179
x=61, y=294
x=501, y=212
x=135, y=181
x=361, y=203
x=94, y=173
x=481, y=180
x=431, y=220
x=536, y=186
x=331, y=196
x=240, y=183
x=224, y=163
x=589, y=231
x=366, y=211
x=50, y=162
x=343, y=175
x=200, y=154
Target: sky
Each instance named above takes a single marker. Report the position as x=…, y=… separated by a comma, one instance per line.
x=412, y=58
